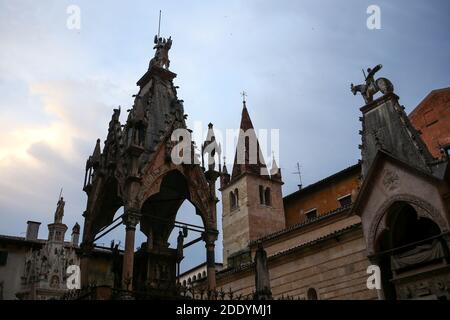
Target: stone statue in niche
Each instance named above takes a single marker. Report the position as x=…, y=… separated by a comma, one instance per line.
x=54, y=282
x=372, y=86
x=180, y=244
x=262, y=278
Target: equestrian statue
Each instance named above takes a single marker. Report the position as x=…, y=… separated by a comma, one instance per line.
x=372, y=86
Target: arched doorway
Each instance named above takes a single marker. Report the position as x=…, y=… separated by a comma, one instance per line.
x=312, y=294
x=408, y=245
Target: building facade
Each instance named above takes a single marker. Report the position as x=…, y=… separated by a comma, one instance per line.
x=36, y=269
x=390, y=210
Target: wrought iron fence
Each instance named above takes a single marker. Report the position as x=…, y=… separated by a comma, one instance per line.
x=181, y=292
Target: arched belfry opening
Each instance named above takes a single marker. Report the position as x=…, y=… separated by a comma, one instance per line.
x=407, y=249
x=149, y=166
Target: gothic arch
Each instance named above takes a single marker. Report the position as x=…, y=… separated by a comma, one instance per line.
x=197, y=192
x=422, y=207
x=102, y=206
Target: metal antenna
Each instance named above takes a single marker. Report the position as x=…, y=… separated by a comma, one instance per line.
x=159, y=24
x=299, y=175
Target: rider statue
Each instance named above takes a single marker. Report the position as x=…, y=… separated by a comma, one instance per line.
x=372, y=86
x=162, y=47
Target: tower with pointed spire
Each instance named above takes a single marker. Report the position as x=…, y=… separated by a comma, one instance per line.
x=252, y=203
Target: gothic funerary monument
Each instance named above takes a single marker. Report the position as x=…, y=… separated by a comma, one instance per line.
x=390, y=210
x=136, y=170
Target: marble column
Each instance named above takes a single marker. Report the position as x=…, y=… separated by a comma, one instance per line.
x=210, y=237
x=130, y=219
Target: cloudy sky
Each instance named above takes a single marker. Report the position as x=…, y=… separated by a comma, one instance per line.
x=295, y=59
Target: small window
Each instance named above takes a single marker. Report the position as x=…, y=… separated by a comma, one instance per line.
x=345, y=200
x=261, y=195
x=247, y=149
x=267, y=198
x=194, y=278
x=312, y=294
x=3, y=258
x=311, y=214
x=232, y=201
x=204, y=273
x=236, y=194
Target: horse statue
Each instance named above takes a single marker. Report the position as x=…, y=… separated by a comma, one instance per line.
x=371, y=87
x=162, y=47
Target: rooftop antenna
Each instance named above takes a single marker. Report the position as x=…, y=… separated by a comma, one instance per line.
x=299, y=176
x=159, y=23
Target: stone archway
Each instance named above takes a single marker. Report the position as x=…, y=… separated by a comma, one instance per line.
x=407, y=243
x=198, y=190
x=422, y=207
x=159, y=196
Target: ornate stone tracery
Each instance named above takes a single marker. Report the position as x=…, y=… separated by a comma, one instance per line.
x=136, y=170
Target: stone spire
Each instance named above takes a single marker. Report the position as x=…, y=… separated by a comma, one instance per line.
x=275, y=171
x=224, y=175
x=210, y=148
x=387, y=128
x=75, y=234
x=96, y=155
x=156, y=105
x=248, y=157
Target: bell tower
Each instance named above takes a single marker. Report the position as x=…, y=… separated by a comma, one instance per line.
x=252, y=202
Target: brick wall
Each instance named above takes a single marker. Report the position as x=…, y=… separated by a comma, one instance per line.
x=432, y=118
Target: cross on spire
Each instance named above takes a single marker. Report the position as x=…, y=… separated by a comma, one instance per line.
x=243, y=94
